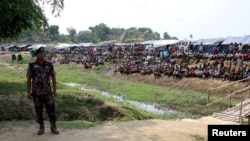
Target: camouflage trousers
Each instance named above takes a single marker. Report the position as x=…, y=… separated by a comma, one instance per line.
x=48, y=102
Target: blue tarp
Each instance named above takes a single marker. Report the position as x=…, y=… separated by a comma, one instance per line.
x=161, y=48
x=206, y=48
x=208, y=44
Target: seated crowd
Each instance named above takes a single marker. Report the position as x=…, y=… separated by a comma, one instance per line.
x=218, y=64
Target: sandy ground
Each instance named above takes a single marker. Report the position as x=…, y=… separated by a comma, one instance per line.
x=148, y=130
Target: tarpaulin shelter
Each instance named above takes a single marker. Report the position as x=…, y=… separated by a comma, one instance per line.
x=36, y=46
x=160, y=44
x=208, y=44
x=62, y=46
x=244, y=40
x=229, y=40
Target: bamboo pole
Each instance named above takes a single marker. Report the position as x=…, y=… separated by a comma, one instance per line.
x=240, y=118
x=249, y=90
x=208, y=99
x=234, y=93
x=230, y=91
x=248, y=78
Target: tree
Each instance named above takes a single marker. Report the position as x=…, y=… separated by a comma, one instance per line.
x=54, y=31
x=116, y=33
x=133, y=34
x=175, y=38
x=84, y=36
x=145, y=30
x=20, y=15
x=166, y=36
x=156, y=36
x=100, y=32
x=72, y=33
x=148, y=34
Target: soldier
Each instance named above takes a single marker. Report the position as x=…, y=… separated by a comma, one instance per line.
x=39, y=73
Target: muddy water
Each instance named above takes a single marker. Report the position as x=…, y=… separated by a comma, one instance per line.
x=140, y=105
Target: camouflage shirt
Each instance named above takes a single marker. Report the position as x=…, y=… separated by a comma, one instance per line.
x=40, y=75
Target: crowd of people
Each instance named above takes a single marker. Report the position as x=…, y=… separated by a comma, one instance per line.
x=226, y=64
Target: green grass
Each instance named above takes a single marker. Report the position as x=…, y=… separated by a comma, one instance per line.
x=190, y=102
x=12, y=80
x=77, y=124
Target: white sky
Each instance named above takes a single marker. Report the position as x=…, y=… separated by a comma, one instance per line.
x=180, y=18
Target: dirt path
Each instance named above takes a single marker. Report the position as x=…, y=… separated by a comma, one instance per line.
x=148, y=130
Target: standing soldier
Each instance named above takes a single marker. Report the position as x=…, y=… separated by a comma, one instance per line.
x=39, y=73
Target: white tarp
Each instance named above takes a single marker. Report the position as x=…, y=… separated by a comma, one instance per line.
x=210, y=41
x=66, y=45
x=244, y=40
x=62, y=46
x=36, y=46
x=84, y=44
x=157, y=43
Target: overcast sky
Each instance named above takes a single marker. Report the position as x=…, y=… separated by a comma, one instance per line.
x=180, y=18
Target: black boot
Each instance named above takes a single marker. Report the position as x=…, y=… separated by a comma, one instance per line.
x=53, y=128
x=41, y=129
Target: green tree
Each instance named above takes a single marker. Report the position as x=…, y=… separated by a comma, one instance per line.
x=133, y=34
x=116, y=33
x=85, y=36
x=166, y=36
x=157, y=36
x=100, y=32
x=175, y=38
x=20, y=15
x=145, y=30
x=72, y=33
x=54, y=31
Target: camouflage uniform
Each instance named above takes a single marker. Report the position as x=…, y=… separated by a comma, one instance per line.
x=41, y=89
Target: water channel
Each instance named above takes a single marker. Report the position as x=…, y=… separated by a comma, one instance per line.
x=139, y=105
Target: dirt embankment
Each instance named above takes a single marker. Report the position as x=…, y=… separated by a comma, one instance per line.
x=195, y=84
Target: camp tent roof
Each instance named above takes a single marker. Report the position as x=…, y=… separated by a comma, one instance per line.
x=85, y=44
x=210, y=41
x=157, y=43
x=243, y=40
x=62, y=45
x=246, y=40
x=36, y=46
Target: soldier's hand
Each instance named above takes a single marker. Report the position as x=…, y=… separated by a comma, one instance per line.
x=29, y=96
x=54, y=93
